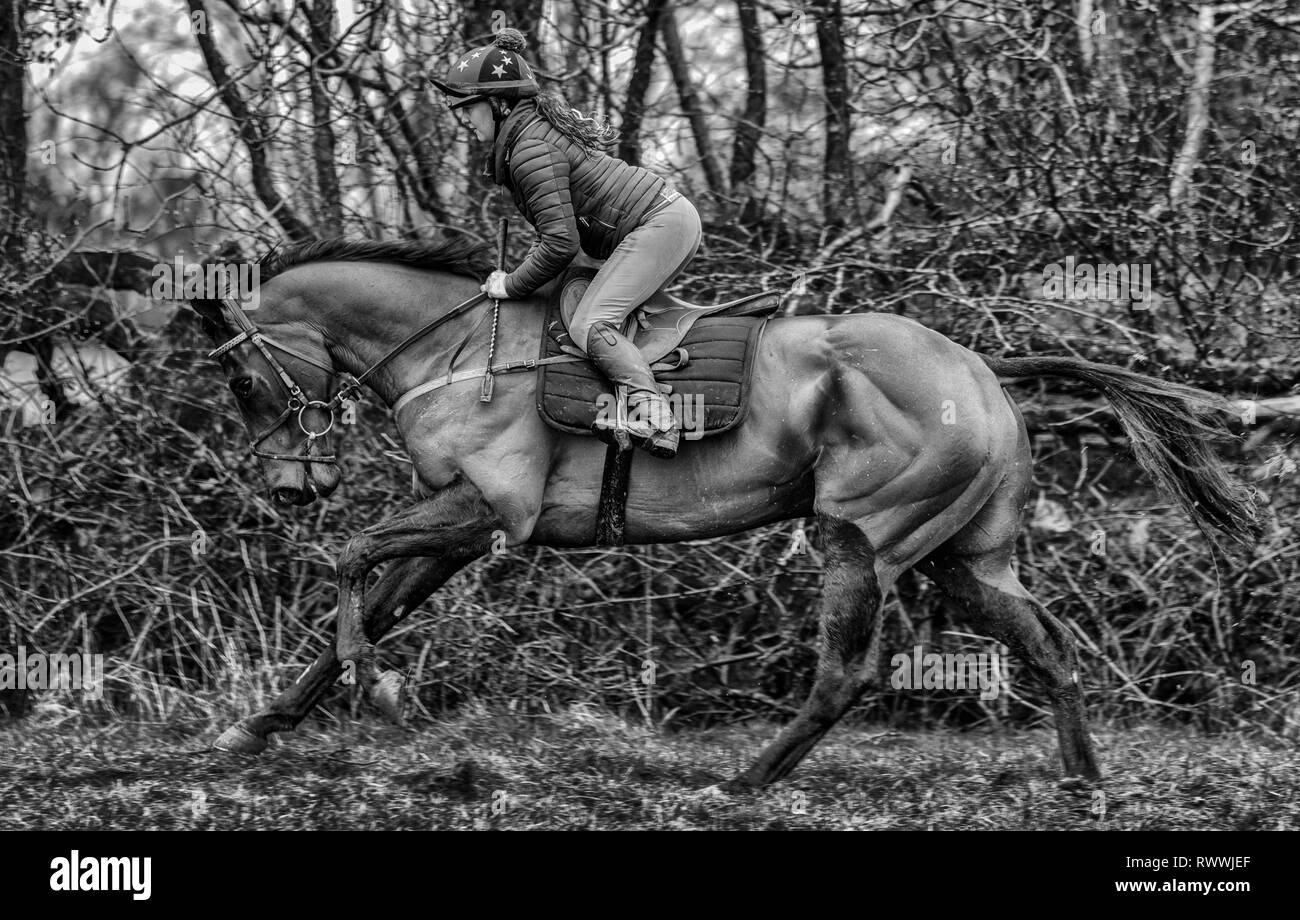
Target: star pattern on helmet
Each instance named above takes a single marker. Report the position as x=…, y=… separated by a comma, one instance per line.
x=463, y=65
x=499, y=70
x=476, y=55
x=505, y=57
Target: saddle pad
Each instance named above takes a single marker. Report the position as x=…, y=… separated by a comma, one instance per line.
x=720, y=353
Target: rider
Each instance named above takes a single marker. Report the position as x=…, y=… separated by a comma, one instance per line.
x=550, y=156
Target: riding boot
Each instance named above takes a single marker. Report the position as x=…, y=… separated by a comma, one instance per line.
x=650, y=421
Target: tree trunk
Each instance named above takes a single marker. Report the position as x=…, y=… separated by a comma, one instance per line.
x=13, y=181
x=691, y=103
x=320, y=15
x=629, y=147
x=575, y=19
x=1083, y=28
x=13, y=134
x=749, y=129
x=606, y=78
x=837, y=178
x=1198, y=106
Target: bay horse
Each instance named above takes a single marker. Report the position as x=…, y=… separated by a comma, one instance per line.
x=904, y=446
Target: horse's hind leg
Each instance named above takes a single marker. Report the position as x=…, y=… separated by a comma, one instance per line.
x=402, y=587
x=850, y=619
x=978, y=577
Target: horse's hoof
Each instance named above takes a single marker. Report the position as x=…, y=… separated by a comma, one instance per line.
x=712, y=793
x=737, y=786
x=1077, y=784
x=386, y=694
x=237, y=739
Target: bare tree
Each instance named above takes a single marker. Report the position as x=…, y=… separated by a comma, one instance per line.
x=629, y=147
x=13, y=131
x=1198, y=105
x=251, y=128
x=749, y=127
x=691, y=103
x=321, y=40
x=838, y=202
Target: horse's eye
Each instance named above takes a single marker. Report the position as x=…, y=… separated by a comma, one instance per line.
x=242, y=387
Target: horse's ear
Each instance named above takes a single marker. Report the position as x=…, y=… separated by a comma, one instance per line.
x=213, y=314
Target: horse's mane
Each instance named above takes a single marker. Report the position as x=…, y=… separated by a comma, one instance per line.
x=458, y=255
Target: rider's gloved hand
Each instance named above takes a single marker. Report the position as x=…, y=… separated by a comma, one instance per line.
x=495, y=286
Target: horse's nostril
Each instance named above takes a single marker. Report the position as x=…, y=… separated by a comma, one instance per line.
x=284, y=496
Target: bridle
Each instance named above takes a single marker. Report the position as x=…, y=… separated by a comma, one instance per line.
x=298, y=402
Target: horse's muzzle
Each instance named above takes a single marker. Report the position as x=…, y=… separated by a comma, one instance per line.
x=286, y=496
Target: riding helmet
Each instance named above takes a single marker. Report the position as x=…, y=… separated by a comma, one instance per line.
x=498, y=69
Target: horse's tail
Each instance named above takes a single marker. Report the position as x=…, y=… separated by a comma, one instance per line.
x=1172, y=429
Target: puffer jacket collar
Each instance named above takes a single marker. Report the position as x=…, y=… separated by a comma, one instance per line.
x=523, y=115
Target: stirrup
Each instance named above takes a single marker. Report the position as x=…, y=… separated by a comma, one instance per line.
x=662, y=444
x=655, y=431
x=658, y=435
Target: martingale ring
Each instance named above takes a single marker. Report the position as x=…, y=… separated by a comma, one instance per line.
x=313, y=435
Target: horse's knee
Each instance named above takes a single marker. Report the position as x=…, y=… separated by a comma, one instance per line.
x=351, y=560
x=1051, y=650
x=1060, y=637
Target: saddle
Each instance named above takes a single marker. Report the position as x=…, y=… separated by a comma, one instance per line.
x=700, y=355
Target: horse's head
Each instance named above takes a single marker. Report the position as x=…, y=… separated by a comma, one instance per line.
x=288, y=394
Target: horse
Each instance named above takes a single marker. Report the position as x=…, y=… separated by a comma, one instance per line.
x=906, y=448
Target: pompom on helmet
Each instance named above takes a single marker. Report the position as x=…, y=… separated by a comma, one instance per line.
x=498, y=69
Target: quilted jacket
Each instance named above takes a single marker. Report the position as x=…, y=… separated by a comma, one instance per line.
x=572, y=196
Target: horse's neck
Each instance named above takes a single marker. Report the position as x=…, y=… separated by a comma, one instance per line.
x=365, y=332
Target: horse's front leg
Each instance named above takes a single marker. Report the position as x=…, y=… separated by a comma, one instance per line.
x=454, y=523
x=403, y=587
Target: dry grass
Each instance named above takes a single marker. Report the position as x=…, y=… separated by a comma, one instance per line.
x=582, y=769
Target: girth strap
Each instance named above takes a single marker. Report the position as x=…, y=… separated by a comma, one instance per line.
x=611, y=510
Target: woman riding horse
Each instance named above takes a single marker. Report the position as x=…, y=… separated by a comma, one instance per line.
x=550, y=157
